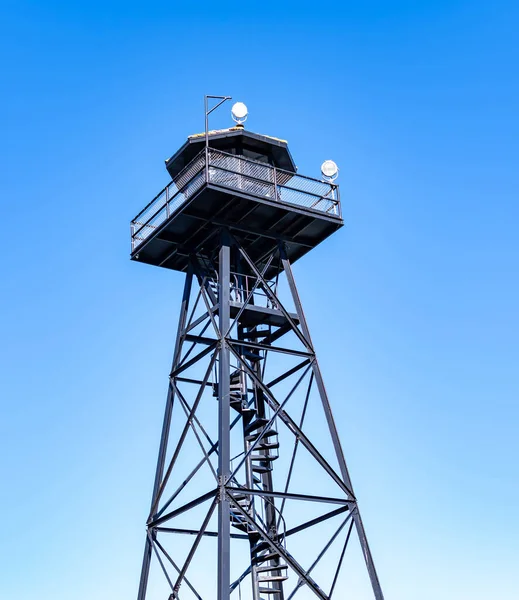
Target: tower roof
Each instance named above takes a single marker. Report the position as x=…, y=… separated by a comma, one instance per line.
x=239, y=140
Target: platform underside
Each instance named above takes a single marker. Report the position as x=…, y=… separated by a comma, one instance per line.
x=260, y=225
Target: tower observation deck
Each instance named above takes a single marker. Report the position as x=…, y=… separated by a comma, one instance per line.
x=252, y=498
x=245, y=182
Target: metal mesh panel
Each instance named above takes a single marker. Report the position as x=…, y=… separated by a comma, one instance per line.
x=189, y=171
x=189, y=181
x=241, y=174
x=300, y=198
x=305, y=184
x=187, y=192
x=263, y=180
x=151, y=209
x=283, y=177
x=146, y=229
x=241, y=166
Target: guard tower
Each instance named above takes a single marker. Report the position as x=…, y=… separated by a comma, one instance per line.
x=252, y=498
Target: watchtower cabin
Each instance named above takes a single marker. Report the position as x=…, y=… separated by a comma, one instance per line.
x=243, y=181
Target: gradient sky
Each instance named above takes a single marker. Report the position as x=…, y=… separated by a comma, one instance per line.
x=412, y=306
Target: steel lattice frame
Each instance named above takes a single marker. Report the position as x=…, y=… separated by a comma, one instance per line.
x=227, y=343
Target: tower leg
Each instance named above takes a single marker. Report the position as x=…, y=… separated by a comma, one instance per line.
x=146, y=561
x=224, y=456
x=375, y=583
x=370, y=565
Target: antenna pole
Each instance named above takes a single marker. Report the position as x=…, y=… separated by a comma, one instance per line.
x=207, y=113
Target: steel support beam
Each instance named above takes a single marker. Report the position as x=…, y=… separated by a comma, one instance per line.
x=224, y=417
x=146, y=561
x=370, y=565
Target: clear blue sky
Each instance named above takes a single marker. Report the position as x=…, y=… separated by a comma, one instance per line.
x=418, y=104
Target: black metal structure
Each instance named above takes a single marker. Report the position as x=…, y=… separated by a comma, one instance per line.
x=251, y=493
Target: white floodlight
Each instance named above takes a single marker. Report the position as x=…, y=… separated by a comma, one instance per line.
x=239, y=112
x=330, y=170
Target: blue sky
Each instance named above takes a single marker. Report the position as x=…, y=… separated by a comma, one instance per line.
x=417, y=103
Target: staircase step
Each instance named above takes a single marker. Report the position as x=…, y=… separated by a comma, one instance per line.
x=271, y=567
x=239, y=497
x=267, y=446
x=268, y=591
x=235, y=518
x=257, y=424
x=240, y=406
x=254, y=436
x=260, y=546
x=253, y=335
x=243, y=526
x=265, y=457
x=261, y=469
x=264, y=557
x=242, y=409
x=273, y=578
x=251, y=356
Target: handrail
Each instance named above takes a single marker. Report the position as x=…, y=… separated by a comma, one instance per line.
x=181, y=172
x=168, y=201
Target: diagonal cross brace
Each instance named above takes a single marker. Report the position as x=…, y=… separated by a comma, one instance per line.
x=275, y=300
x=279, y=549
x=293, y=427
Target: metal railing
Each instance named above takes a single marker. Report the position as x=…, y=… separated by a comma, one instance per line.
x=238, y=173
